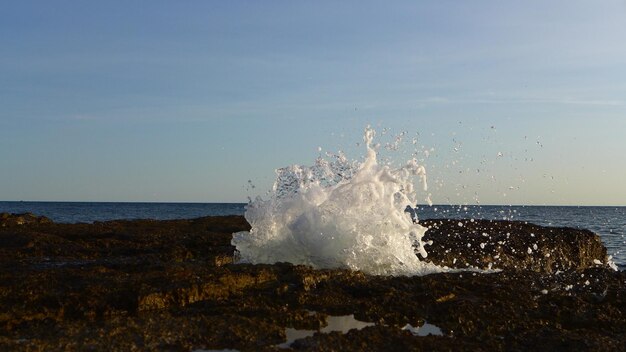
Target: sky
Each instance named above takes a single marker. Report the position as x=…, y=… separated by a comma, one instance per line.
x=163, y=101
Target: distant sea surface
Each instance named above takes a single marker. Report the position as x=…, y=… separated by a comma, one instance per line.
x=73, y=212
x=608, y=222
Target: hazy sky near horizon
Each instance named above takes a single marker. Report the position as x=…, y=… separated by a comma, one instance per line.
x=516, y=102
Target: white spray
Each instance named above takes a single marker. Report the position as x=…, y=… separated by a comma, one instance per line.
x=339, y=214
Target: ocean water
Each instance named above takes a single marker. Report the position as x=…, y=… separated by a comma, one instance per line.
x=74, y=212
x=608, y=222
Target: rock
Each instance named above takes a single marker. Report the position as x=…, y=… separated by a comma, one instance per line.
x=512, y=245
x=171, y=285
x=7, y=219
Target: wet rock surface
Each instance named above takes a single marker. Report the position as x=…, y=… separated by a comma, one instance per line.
x=512, y=245
x=171, y=285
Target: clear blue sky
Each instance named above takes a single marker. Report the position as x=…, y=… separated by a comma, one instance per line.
x=187, y=101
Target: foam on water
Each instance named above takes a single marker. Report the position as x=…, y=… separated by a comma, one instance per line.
x=339, y=214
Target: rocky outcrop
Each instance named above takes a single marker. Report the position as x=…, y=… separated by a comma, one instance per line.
x=512, y=245
x=7, y=219
x=171, y=285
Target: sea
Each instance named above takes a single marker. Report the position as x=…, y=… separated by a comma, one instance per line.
x=608, y=222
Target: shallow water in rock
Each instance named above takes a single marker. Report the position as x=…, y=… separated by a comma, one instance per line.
x=424, y=330
x=346, y=323
x=343, y=324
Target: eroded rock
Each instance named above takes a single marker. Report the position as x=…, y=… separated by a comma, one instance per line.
x=7, y=219
x=512, y=245
x=171, y=285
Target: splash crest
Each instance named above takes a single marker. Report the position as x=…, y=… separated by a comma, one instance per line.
x=339, y=214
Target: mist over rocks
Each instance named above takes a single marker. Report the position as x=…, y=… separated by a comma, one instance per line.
x=172, y=285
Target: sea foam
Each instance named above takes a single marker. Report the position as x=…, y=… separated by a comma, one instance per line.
x=339, y=214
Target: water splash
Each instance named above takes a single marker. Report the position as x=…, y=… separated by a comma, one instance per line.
x=339, y=214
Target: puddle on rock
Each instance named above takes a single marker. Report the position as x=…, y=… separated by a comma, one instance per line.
x=346, y=323
x=424, y=330
x=342, y=324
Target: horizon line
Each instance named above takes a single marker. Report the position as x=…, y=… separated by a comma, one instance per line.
x=231, y=202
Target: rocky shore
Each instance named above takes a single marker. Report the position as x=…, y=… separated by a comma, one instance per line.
x=172, y=285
